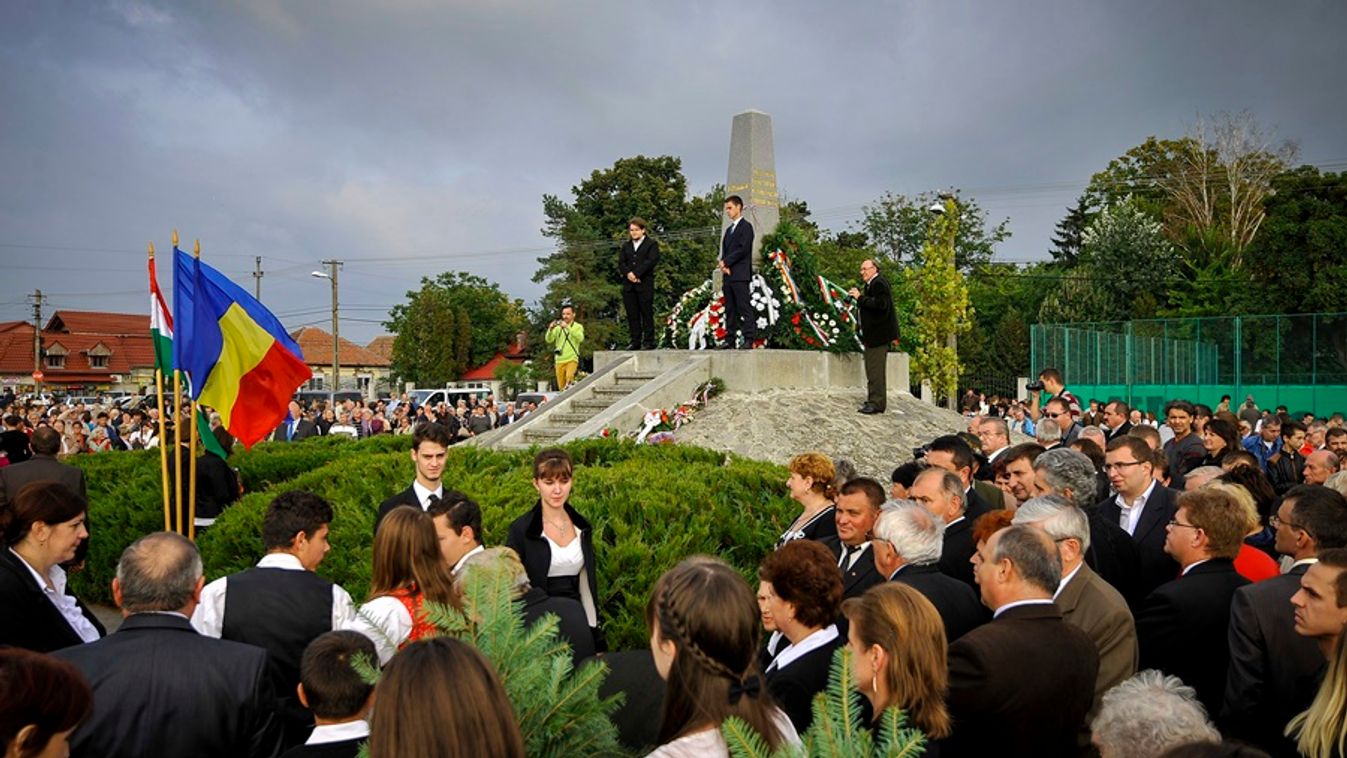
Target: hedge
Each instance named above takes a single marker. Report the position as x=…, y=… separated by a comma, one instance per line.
x=651, y=506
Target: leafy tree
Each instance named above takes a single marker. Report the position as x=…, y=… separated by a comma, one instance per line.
x=1004, y=299
x=1125, y=260
x=590, y=230
x=516, y=377
x=942, y=309
x=1066, y=241
x=1299, y=262
x=455, y=321
x=898, y=227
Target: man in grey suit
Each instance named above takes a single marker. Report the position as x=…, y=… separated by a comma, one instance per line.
x=1274, y=671
x=42, y=467
x=1086, y=601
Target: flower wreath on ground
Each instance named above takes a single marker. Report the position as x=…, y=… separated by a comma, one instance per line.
x=659, y=424
x=795, y=307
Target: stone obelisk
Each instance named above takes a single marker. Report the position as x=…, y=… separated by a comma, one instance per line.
x=752, y=176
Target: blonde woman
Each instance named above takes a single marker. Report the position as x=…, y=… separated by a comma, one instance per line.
x=811, y=485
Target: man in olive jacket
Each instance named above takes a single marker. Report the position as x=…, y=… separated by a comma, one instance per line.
x=879, y=327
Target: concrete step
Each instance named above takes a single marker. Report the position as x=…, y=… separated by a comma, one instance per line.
x=590, y=405
x=636, y=376
x=572, y=418
x=612, y=392
x=544, y=434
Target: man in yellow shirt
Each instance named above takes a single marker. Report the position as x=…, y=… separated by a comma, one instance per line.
x=565, y=336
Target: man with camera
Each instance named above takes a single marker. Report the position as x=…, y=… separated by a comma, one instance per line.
x=1050, y=379
x=565, y=336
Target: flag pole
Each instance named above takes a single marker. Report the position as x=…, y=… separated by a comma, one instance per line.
x=163, y=451
x=177, y=440
x=191, y=433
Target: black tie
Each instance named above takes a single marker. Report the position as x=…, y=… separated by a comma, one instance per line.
x=845, y=562
x=431, y=500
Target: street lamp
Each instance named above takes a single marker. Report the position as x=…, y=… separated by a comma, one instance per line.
x=336, y=333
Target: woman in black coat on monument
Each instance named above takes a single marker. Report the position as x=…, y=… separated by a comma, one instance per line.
x=556, y=543
x=42, y=527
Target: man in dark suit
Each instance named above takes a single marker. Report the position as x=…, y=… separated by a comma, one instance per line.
x=1115, y=418
x=1110, y=552
x=42, y=467
x=879, y=328
x=736, y=263
x=907, y=545
x=636, y=266
x=1142, y=508
x=1274, y=671
x=295, y=427
x=1182, y=625
x=942, y=493
x=952, y=454
x=1022, y=684
x=1086, y=601
x=430, y=446
x=159, y=687
x=858, y=507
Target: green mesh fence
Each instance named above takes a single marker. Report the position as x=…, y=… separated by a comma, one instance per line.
x=1299, y=361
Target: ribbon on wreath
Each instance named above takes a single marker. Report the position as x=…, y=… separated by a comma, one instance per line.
x=652, y=420
x=782, y=265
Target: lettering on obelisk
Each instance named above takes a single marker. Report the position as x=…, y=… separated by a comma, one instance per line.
x=752, y=176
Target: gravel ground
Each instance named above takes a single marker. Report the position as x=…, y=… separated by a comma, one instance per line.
x=777, y=424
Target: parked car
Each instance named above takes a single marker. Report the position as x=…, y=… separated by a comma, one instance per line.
x=450, y=395
x=533, y=397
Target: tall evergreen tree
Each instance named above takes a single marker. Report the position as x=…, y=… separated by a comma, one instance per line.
x=1070, y=232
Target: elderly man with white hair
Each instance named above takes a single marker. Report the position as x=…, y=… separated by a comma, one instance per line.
x=907, y=542
x=1085, y=600
x=1110, y=552
x=1147, y=715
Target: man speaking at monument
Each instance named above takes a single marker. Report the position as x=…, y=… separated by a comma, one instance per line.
x=879, y=327
x=636, y=264
x=736, y=263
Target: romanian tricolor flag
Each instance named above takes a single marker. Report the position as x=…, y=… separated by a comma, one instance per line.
x=238, y=358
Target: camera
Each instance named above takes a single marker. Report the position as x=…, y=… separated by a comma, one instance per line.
x=1035, y=386
x=920, y=452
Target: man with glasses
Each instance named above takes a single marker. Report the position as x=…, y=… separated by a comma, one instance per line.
x=879, y=328
x=1142, y=508
x=1182, y=626
x=1185, y=451
x=1272, y=668
x=1059, y=410
x=636, y=266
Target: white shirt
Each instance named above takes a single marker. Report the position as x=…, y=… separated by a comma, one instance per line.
x=568, y=560
x=1018, y=603
x=1066, y=580
x=343, y=732
x=636, y=243
x=423, y=494
x=1133, y=510
x=459, y=566
x=813, y=642
x=710, y=743
x=209, y=615
x=386, y=622
x=856, y=552
x=65, y=604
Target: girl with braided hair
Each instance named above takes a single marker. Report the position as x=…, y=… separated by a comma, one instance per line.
x=703, y=622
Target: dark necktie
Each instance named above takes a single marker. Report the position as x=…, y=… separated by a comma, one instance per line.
x=431, y=500
x=845, y=562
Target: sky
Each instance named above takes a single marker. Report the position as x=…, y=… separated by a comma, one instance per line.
x=412, y=137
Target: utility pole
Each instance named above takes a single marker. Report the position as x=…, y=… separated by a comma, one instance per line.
x=37, y=340
x=331, y=273
x=257, y=275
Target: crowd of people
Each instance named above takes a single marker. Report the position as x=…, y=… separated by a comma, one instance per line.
x=1108, y=588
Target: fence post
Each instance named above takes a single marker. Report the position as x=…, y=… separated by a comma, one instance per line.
x=1239, y=361
x=1128, y=375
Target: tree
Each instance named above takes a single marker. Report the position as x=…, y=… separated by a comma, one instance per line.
x=1125, y=259
x=1067, y=239
x=589, y=232
x=455, y=321
x=1299, y=261
x=898, y=227
x=942, y=309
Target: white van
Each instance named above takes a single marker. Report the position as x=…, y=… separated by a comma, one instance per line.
x=449, y=395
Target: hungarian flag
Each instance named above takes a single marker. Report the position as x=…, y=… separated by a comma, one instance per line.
x=238, y=357
x=161, y=333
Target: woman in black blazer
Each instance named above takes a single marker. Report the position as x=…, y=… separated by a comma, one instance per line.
x=42, y=527
x=555, y=543
x=800, y=595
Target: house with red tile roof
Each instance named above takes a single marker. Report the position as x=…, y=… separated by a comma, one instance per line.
x=81, y=352
x=361, y=368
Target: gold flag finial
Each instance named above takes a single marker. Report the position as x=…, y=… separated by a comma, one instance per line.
x=151, y=251
x=196, y=249
x=175, y=238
